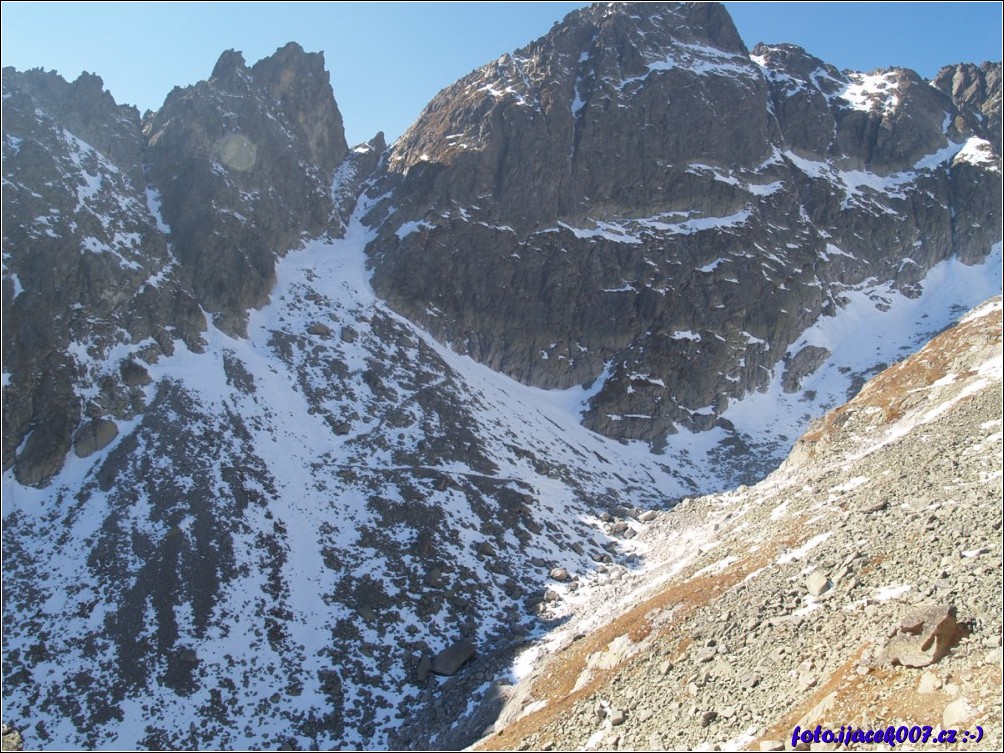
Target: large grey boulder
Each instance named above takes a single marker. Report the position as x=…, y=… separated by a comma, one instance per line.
x=453, y=657
x=94, y=436
x=923, y=637
x=801, y=365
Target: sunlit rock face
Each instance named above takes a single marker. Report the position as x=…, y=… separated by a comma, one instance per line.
x=638, y=199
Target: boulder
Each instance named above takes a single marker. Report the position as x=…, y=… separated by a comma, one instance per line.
x=957, y=713
x=42, y=454
x=134, y=374
x=94, y=436
x=423, y=669
x=560, y=574
x=319, y=329
x=452, y=658
x=705, y=655
x=484, y=548
x=817, y=583
x=801, y=365
x=929, y=683
x=923, y=637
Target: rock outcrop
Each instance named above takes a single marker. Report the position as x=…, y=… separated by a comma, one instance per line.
x=244, y=163
x=453, y=657
x=87, y=270
x=638, y=202
x=976, y=92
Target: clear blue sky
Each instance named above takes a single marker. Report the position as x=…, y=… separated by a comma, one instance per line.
x=387, y=60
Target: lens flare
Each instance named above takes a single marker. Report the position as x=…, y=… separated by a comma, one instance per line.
x=238, y=153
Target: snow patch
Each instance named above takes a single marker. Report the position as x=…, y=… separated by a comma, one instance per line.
x=797, y=554
x=979, y=152
x=412, y=227
x=887, y=593
x=153, y=203
x=872, y=91
x=686, y=335
x=701, y=59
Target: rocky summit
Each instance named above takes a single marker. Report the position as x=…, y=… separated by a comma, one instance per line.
x=476, y=436
x=614, y=203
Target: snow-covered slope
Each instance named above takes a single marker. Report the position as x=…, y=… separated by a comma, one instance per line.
x=247, y=485
x=295, y=520
x=301, y=515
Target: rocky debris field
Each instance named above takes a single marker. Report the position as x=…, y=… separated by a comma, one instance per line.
x=858, y=585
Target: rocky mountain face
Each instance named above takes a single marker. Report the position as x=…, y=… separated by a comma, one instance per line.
x=120, y=235
x=303, y=444
x=588, y=209
x=244, y=165
x=88, y=275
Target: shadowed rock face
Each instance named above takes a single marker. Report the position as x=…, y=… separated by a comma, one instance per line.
x=86, y=268
x=244, y=163
x=638, y=199
x=119, y=234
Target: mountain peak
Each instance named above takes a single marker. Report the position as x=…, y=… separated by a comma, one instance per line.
x=708, y=21
x=230, y=62
x=599, y=133
x=90, y=81
x=289, y=61
x=592, y=76
x=791, y=57
x=250, y=142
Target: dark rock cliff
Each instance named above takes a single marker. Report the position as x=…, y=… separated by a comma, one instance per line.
x=118, y=234
x=244, y=162
x=637, y=198
x=88, y=275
